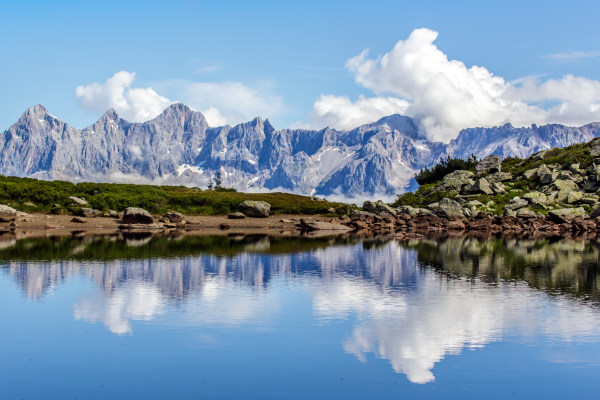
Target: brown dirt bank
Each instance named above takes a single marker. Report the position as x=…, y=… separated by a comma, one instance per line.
x=360, y=224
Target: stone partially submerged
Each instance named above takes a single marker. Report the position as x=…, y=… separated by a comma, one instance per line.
x=136, y=215
x=7, y=214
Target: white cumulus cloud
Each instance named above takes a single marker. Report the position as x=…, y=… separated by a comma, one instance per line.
x=133, y=104
x=226, y=102
x=343, y=113
x=446, y=96
x=220, y=102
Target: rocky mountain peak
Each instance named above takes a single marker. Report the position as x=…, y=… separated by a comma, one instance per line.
x=179, y=147
x=111, y=115
x=38, y=111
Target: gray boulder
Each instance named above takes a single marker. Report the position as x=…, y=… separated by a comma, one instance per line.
x=564, y=184
x=174, y=216
x=255, y=209
x=7, y=214
x=414, y=211
x=489, y=164
x=498, y=188
x=546, y=175
x=89, y=212
x=566, y=214
x=378, y=208
x=111, y=214
x=236, y=215
x=536, y=197
x=501, y=177
x=481, y=185
x=526, y=213
x=78, y=201
x=574, y=197
x=517, y=203
x=595, y=212
x=454, y=181
x=447, y=208
x=530, y=173
x=595, y=149
x=136, y=215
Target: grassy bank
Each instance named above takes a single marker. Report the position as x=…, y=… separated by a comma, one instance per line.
x=17, y=192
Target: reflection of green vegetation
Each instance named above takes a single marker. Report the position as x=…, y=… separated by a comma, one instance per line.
x=156, y=199
x=553, y=266
x=140, y=247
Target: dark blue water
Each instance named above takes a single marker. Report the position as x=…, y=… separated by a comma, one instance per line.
x=259, y=317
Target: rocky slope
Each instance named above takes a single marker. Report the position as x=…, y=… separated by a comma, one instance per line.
x=179, y=147
x=553, y=192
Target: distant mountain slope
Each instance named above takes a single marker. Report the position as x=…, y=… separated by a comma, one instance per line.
x=508, y=141
x=179, y=147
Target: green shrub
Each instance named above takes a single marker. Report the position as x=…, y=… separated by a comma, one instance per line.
x=444, y=167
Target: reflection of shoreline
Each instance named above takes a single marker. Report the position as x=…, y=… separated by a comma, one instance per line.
x=413, y=303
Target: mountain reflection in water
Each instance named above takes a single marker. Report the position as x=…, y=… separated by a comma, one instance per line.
x=410, y=302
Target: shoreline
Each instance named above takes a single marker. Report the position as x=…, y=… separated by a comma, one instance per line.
x=360, y=224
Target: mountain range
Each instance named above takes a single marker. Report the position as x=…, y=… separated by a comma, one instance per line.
x=178, y=147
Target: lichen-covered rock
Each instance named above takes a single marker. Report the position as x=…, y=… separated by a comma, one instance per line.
x=481, y=185
x=564, y=184
x=546, y=174
x=530, y=173
x=590, y=199
x=566, y=214
x=447, y=208
x=413, y=211
x=136, y=215
x=7, y=214
x=378, y=207
x=255, y=209
x=574, y=197
x=489, y=164
x=498, y=188
x=454, y=181
x=526, y=213
x=517, y=203
x=536, y=197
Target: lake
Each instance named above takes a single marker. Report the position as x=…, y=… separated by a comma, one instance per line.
x=239, y=316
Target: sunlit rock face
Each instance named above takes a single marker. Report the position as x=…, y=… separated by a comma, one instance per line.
x=411, y=303
x=179, y=147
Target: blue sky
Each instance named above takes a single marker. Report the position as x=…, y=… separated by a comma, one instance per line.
x=277, y=59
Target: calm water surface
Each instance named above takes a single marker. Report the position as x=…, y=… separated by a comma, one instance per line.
x=260, y=317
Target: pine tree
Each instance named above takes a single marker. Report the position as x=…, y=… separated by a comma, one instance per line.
x=218, y=180
x=210, y=185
